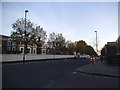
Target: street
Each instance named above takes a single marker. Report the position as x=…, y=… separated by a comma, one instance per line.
x=52, y=74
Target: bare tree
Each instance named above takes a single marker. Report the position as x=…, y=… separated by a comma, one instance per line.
x=28, y=35
x=70, y=47
x=57, y=41
x=38, y=37
x=19, y=32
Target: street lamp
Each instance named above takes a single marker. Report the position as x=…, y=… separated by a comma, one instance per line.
x=54, y=46
x=25, y=44
x=96, y=42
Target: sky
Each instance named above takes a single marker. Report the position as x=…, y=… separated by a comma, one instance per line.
x=75, y=20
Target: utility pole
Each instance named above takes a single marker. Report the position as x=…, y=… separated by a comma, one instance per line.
x=25, y=37
x=96, y=42
x=54, y=46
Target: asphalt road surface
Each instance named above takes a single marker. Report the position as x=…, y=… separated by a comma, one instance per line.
x=52, y=74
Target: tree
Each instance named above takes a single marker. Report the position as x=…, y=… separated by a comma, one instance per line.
x=83, y=48
x=103, y=51
x=70, y=47
x=89, y=50
x=30, y=35
x=57, y=41
x=38, y=37
x=80, y=46
x=20, y=32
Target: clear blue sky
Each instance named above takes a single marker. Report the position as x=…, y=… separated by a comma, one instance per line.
x=75, y=20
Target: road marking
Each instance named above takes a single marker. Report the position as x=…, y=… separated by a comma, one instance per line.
x=74, y=72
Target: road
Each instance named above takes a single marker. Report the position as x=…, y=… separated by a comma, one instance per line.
x=53, y=74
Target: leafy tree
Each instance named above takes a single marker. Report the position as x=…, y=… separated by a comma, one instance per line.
x=89, y=50
x=83, y=48
x=103, y=51
x=80, y=46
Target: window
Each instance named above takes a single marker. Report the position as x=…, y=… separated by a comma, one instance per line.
x=21, y=50
x=13, y=48
x=43, y=51
x=9, y=43
x=28, y=50
x=34, y=51
x=13, y=44
x=8, y=48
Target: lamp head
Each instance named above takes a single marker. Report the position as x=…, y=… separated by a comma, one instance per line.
x=26, y=11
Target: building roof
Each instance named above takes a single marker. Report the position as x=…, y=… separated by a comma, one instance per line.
x=4, y=37
x=118, y=40
x=111, y=43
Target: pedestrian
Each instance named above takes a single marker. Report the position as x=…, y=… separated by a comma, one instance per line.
x=101, y=58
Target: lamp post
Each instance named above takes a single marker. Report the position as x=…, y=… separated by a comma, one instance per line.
x=54, y=46
x=96, y=42
x=25, y=44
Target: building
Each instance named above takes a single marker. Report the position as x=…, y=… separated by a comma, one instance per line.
x=7, y=46
x=30, y=49
x=118, y=47
x=110, y=49
x=11, y=46
x=44, y=48
x=110, y=52
x=3, y=44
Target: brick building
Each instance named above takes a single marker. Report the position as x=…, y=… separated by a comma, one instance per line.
x=3, y=44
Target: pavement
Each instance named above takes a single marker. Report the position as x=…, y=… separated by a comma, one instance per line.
x=101, y=69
